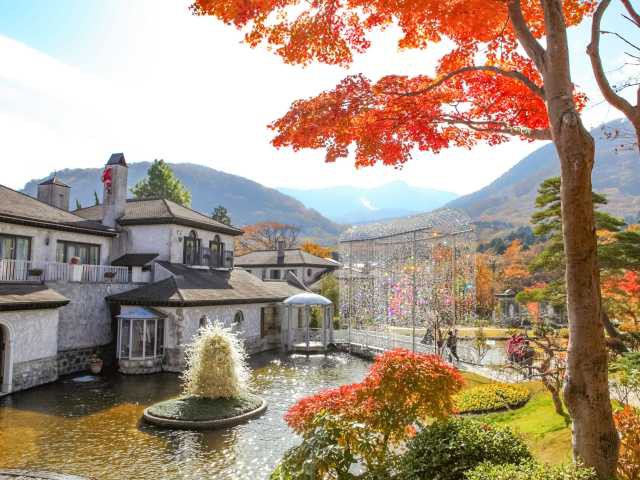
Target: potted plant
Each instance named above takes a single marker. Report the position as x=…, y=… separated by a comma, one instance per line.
x=95, y=364
x=75, y=269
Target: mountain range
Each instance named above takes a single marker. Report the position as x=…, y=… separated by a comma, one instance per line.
x=350, y=205
x=247, y=201
x=510, y=198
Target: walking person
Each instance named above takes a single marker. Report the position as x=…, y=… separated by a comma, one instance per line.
x=452, y=345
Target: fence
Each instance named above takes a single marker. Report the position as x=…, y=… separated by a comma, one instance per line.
x=25, y=270
x=382, y=341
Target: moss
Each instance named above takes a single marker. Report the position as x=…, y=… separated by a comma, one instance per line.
x=193, y=408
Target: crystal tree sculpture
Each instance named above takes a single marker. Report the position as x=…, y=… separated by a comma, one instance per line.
x=413, y=275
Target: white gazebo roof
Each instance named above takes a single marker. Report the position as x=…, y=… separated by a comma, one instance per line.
x=307, y=298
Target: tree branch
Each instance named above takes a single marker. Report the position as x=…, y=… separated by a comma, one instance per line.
x=534, y=49
x=488, y=126
x=593, y=50
x=632, y=12
x=530, y=84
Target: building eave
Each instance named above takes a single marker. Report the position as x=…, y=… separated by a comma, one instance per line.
x=180, y=221
x=55, y=226
x=11, y=307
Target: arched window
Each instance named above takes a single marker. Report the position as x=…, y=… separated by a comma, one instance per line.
x=238, y=318
x=309, y=272
x=204, y=321
x=217, y=252
x=191, y=248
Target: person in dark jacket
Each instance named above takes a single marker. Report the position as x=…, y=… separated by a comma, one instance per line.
x=452, y=345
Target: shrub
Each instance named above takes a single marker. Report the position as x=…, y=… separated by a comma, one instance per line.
x=447, y=449
x=530, y=471
x=628, y=425
x=491, y=397
x=366, y=422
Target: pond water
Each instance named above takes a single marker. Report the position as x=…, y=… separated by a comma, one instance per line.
x=93, y=428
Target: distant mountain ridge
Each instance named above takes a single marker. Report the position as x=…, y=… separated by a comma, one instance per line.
x=349, y=205
x=247, y=201
x=510, y=198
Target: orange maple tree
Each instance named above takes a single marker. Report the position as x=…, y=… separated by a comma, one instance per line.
x=315, y=249
x=497, y=79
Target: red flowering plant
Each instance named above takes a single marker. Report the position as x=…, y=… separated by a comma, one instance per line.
x=367, y=422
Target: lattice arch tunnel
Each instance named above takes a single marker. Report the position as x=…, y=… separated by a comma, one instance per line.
x=412, y=276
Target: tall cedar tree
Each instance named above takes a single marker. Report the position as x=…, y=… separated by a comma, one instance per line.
x=161, y=183
x=498, y=79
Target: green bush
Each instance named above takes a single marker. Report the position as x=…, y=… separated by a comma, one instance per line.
x=445, y=450
x=491, y=397
x=530, y=471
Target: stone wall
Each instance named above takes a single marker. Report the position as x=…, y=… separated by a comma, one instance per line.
x=34, y=372
x=86, y=321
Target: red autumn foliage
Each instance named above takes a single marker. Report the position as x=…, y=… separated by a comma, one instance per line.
x=401, y=388
x=628, y=425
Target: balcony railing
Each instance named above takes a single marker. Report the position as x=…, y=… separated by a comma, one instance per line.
x=24, y=270
x=206, y=257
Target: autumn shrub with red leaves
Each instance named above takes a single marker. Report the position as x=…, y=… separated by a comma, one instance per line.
x=628, y=425
x=401, y=389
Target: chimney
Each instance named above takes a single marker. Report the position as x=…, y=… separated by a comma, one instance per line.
x=54, y=192
x=114, y=179
x=280, y=248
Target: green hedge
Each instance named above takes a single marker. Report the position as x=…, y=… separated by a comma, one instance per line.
x=445, y=450
x=491, y=397
x=529, y=471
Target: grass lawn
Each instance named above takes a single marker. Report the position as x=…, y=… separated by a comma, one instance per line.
x=494, y=333
x=541, y=427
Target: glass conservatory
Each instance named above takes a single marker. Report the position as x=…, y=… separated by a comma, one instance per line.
x=140, y=344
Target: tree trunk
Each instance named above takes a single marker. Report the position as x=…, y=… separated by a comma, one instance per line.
x=586, y=389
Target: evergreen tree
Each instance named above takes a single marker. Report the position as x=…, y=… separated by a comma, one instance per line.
x=78, y=205
x=221, y=215
x=96, y=199
x=161, y=183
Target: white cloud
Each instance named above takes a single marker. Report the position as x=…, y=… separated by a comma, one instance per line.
x=165, y=84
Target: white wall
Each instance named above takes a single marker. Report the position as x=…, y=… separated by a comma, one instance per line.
x=166, y=240
x=41, y=252
x=34, y=333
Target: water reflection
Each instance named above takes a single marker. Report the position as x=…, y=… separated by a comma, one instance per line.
x=94, y=428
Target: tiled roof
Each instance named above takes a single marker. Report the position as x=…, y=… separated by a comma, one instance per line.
x=194, y=287
x=54, y=181
x=157, y=211
x=134, y=259
x=16, y=207
x=117, y=159
x=28, y=296
x=297, y=257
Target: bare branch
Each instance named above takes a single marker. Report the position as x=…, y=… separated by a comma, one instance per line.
x=534, y=49
x=530, y=84
x=593, y=50
x=621, y=38
x=632, y=12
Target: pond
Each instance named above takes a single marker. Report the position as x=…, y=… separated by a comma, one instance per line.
x=93, y=428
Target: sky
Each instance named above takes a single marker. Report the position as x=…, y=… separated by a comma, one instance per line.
x=80, y=79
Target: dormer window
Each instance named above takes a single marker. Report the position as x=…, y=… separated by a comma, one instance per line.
x=217, y=251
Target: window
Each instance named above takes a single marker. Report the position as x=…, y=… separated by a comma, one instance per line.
x=89, y=254
x=274, y=274
x=15, y=248
x=309, y=272
x=267, y=321
x=140, y=338
x=238, y=318
x=191, y=248
x=217, y=251
x=203, y=321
